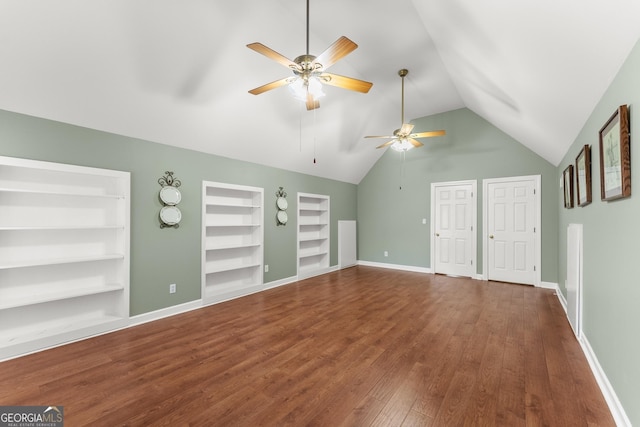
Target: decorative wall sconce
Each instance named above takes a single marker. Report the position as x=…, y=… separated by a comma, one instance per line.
x=170, y=196
x=281, y=204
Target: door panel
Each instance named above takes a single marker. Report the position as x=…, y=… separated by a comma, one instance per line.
x=454, y=217
x=511, y=210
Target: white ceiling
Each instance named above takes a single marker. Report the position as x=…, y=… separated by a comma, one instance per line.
x=178, y=72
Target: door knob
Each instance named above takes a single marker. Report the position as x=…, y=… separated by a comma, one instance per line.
x=491, y=236
x=437, y=234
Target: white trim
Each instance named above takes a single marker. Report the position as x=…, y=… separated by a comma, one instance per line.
x=474, y=221
x=610, y=396
x=164, y=312
x=548, y=285
x=617, y=411
x=395, y=266
x=281, y=282
x=538, y=235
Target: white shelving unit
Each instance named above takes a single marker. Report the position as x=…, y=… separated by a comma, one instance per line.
x=313, y=235
x=232, y=241
x=64, y=253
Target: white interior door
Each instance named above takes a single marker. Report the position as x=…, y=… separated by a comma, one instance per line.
x=453, y=216
x=512, y=229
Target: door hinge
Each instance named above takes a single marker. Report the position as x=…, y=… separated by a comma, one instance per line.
x=472, y=228
x=534, y=268
x=534, y=191
x=471, y=262
x=534, y=229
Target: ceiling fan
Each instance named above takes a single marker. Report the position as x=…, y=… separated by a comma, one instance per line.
x=403, y=139
x=309, y=72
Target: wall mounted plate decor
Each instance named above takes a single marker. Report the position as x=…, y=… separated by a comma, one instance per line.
x=170, y=196
x=583, y=176
x=615, y=156
x=282, y=205
x=567, y=178
x=282, y=217
x=170, y=216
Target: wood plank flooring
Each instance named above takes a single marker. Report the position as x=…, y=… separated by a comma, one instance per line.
x=359, y=347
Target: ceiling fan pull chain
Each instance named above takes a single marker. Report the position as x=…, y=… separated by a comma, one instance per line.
x=404, y=153
x=314, y=133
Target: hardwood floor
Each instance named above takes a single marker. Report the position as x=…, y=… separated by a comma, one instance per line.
x=362, y=346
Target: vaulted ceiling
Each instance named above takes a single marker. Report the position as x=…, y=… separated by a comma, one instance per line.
x=178, y=72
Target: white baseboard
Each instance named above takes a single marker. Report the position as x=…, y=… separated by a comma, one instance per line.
x=610, y=396
x=281, y=282
x=617, y=411
x=165, y=312
x=395, y=266
x=549, y=285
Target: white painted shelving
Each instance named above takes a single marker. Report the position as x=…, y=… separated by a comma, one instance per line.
x=313, y=234
x=64, y=253
x=232, y=241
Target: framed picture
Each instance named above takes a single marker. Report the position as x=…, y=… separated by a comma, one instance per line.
x=615, y=156
x=567, y=178
x=583, y=176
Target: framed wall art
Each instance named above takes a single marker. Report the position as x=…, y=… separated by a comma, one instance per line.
x=567, y=179
x=583, y=176
x=615, y=156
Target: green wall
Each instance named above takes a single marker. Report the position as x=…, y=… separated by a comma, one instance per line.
x=611, y=263
x=391, y=219
x=163, y=256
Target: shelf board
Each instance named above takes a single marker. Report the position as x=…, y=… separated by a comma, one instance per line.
x=231, y=268
x=220, y=248
x=56, y=328
x=59, y=227
x=56, y=261
x=311, y=239
x=27, y=300
x=233, y=225
x=232, y=205
x=59, y=193
x=310, y=254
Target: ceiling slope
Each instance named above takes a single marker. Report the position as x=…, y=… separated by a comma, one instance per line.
x=178, y=73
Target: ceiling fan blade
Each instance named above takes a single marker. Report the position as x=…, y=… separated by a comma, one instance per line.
x=378, y=136
x=386, y=144
x=428, y=134
x=339, y=49
x=272, y=54
x=346, y=82
x=405, y=129
x=415, y=142
x=269, y=86
x=311, y=103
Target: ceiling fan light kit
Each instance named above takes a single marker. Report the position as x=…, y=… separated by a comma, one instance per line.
x=402, y=139
x=310, y=71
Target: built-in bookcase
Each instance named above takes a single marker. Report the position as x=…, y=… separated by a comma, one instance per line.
x=232, y=241
x=64, y=253
x=313, y=235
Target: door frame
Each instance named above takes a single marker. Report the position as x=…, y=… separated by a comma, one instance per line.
x=474, y=222
x=537, y=235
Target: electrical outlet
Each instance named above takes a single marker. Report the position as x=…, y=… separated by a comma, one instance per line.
x=266, y=268
x=424, y=220
x=172, y=288
x=386, y=253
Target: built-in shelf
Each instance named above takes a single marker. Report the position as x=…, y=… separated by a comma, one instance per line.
x=313, y=234
x=232, y=240
x=64, y=253
x=58, y=261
